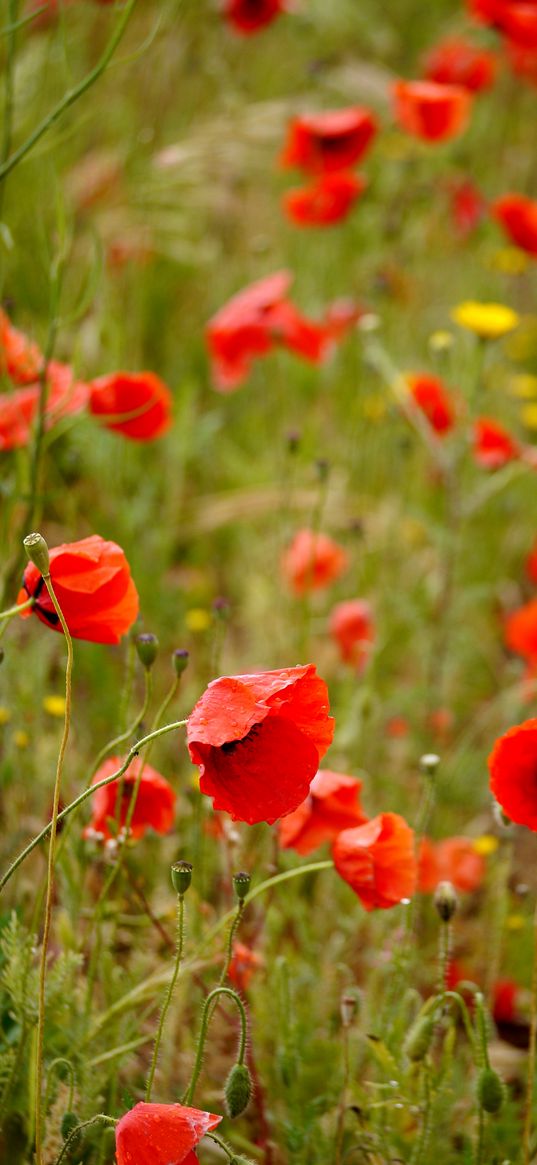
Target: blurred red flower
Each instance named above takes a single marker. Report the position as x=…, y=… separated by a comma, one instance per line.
x=453, y=860
x=518, y=22
x=513, y=772
x=531, y=563
x=432, y=112
x=378, y=861
x=457, y=62
x=493, y=446
x=352, y=627
x=432, y=397
x=155, y=802
x=333, y=140
x=327, y=200
x=521, y=631
x=518, y=217
x=312, y=562
x=333, y=804
x=136, y=404
x=522, y=61
x=94, y=588
x=20, y=358
x=18, y=410
x=248, y=16
x=468, y=207
x=161, y=1134
x=244, y=963
x=258, y=740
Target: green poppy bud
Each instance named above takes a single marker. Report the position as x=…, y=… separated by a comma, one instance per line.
x=445, y=900
x=490, y=1090
x=70, y=1122
x=147, y=649
x=181, y=873
x=418, y=1039
x=180, y=661
x=37, y=551
x=241, y=882
x=237, y=1090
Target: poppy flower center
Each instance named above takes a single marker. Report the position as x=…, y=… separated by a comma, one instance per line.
x=230, y=746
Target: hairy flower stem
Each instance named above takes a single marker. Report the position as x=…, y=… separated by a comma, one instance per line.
x=100, y=1118
x=89, y=793
x=526, y=1139
x=50, y=878
x=205, y=1019
x=169, y=993
x=340, y=1127
x=229, y=949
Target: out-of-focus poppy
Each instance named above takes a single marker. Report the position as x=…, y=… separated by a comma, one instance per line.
x=327, y=200
x=18, y=410
x=433, y=399
x=94, y=588
x=518, y=22
x=249, y=16
x=493, y=446
x=489, y=321
x=20, y=358
x=468, y=207
x=333, y=804
x=324, y=142
x=513, y=769
x=440, y=721
x=352, y=627
x=397, y=727
x=457, y=62
x=531, y=564
x=521, y=631
x=522, y=61
x=432, y=112
x=454, y=860
x=258, y=740
x=518, y=217
x=161, y=1134
x=313, y=561
x=244, y=963
x=136, y=404
x=155, y=801
x=378, y=861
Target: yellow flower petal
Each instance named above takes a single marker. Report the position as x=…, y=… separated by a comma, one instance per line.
x=54, y=705
x=486, y=844
x=489, y=321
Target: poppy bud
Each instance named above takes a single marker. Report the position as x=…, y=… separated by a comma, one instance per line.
x=490, y=1090
x=429, y=763
x=70, y=1121
x=37, y=551
x=293, y=440
x=241, y=882
x=221, y=608
x=237, y=1090
x=180, y=661
x=418, y=1040
x=181, y=873
x=147, y=648
x=445, y=900
x=348, y=1007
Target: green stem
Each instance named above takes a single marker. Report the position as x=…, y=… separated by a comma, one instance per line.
x=230, y=1153
x=71, y=96
x=9, y=88
x=526, y=1140
x=168, y=996
x=50, y=878
x=101, y=1118
x=229, y=950
x=16, y=610
x=88, y=793
x=205, y=1019
x=130, y=731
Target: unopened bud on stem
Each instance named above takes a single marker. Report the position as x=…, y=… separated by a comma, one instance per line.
x=241, y=882
x=445, y=900
x=147, y=648
x=181, y=873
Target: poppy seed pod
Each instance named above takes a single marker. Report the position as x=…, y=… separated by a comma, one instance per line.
x=241, y=882
x=180, y=659
x=181, y=874
x=147, y=649
x=445, y=900
x=490, y=1090
x=37, y=552
x=237, y=1090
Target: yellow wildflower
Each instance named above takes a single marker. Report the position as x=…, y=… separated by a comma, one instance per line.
x=489, y=321
x=441, y=341
x=486, y=844
x=198, y=619
x=529, y=416
x=21, y=739
x=54, y=705
x=515, y=922
x=523, y=385
x=5, y=715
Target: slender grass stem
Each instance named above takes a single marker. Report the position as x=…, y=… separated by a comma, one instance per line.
x=526, y=1138
x=168, y=996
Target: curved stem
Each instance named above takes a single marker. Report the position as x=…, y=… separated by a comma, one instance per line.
x=205, y=1018
x=16, y=610
x=101, y=1118
x=168, y=996
x=229, y=949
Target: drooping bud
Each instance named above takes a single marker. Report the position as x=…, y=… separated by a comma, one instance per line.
x=418, y=1039
x=180, y=661
x=241, y=882
x=429, y=763
x=237, y=1090
x=181, y=874
x=490, y=1090
x=147, y=648
x=37, y=551
x=70, y=1121
x=445, y=900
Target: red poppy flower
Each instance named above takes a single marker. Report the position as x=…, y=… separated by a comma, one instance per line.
x=327, y=200
x=333, y=804
x=453, y=860
x=456, y=62
x=518, y=22
x=248, y=16
x=244, y=963
x=521, y=631
x=155, y=802
x=432, y=112
x=312, y=562
x=333, y=140
x=18, y=410
x=513, y=772
x=258, y=740
x=518, y=217
x=136, y=404
x=352, y=627
x=378, y=861
x=505, y=1001
x=161, y=1134
x=397, y=727
x=432, y=397
x=493, y=445
x=468, y=207
x=20, y=358
x=522, y=61
x=531, y=564
x=94, y=588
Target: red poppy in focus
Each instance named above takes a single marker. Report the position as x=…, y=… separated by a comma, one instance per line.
x=453, y=860
x=468, y=206
x=161, y=1134
x=513, y=773
x=333, y=804
x=352, y=627
x=312, y=562
x=94, y=588
x=155, y=801
x=432, y=397
x=325, y=142
x=432, y=112
x=327, y=200
x=248, y=16
x=18, y=410
x=493, y=446
x=518, y=217
x=378, y=861
x=136, y=404
x=244, y=963
x=20, y=358
x=258, y=740
x=521, y=631
x=457, y=62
